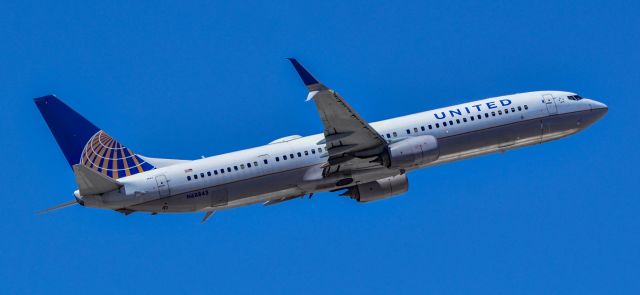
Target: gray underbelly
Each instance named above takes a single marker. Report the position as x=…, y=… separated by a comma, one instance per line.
x=508, y=137
x=305, y=179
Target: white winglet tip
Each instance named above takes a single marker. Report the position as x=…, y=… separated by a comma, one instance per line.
x=311, y=95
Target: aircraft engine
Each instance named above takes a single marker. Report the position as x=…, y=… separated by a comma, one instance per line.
x=379, y=189
x=412, y=151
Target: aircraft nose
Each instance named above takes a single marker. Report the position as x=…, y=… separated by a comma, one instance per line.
x=598, y=110
x=596, y=105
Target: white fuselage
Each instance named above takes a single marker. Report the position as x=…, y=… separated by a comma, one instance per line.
x=293, y=166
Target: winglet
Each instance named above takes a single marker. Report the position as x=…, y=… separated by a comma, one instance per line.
x=306, y=77
x=312, y=84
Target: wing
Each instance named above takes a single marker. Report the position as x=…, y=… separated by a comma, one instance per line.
x=351, y=142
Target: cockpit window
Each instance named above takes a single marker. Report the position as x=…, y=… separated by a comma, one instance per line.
x=574, y=97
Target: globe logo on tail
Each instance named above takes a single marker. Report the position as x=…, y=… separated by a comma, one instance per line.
x=105, y=155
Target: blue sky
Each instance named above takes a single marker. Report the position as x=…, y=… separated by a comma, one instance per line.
x=181, y=80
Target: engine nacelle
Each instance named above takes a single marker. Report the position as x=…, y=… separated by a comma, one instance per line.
x=412, y=151
x=379, y=189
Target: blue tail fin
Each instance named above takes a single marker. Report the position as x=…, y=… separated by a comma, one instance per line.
x=84, y=143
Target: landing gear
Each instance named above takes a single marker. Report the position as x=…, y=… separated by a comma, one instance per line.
x=344, y=181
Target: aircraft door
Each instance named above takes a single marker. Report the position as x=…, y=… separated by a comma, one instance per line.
x=550, y=102
x=163, y=186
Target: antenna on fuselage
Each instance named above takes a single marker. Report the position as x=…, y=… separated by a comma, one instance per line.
x=206, y=216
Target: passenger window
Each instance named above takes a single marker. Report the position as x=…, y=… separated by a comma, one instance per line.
x=526, y=107
x=499, y=112
x=208, y=173
x=277, y=159
x=430, y=127
x=464, y=120
x=444, y=123
x=202, y=175
x=228, y=169
x=519, y=108
x=215, y=172
x=513, y=110
x=306, y=153
x=313, y=152
x=395, y=134
x=235, y=168
x=416, y=129
x=265, y=161
x=451, y=123
x=188, y=178
x=437, y=125
x=388, y=135
x=284, y=157
x=472, y=118
x=493, y=114
x=248, y=165
x=299, y=154
x=422, y=128
x=480, y=117
x=195, y=176
x=506, y=111
x=221, y=171
x=458, y=121
x=319, y=150
x=255, y=163
x=242, y=166
x=408, y=131
x=291, y=156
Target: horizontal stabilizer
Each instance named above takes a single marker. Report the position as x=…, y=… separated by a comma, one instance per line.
x=59, y=206
x=91, y=182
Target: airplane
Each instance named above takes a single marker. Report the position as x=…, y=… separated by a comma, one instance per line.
x=364, y=161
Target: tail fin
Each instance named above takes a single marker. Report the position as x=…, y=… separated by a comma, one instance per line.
x=84, y=143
